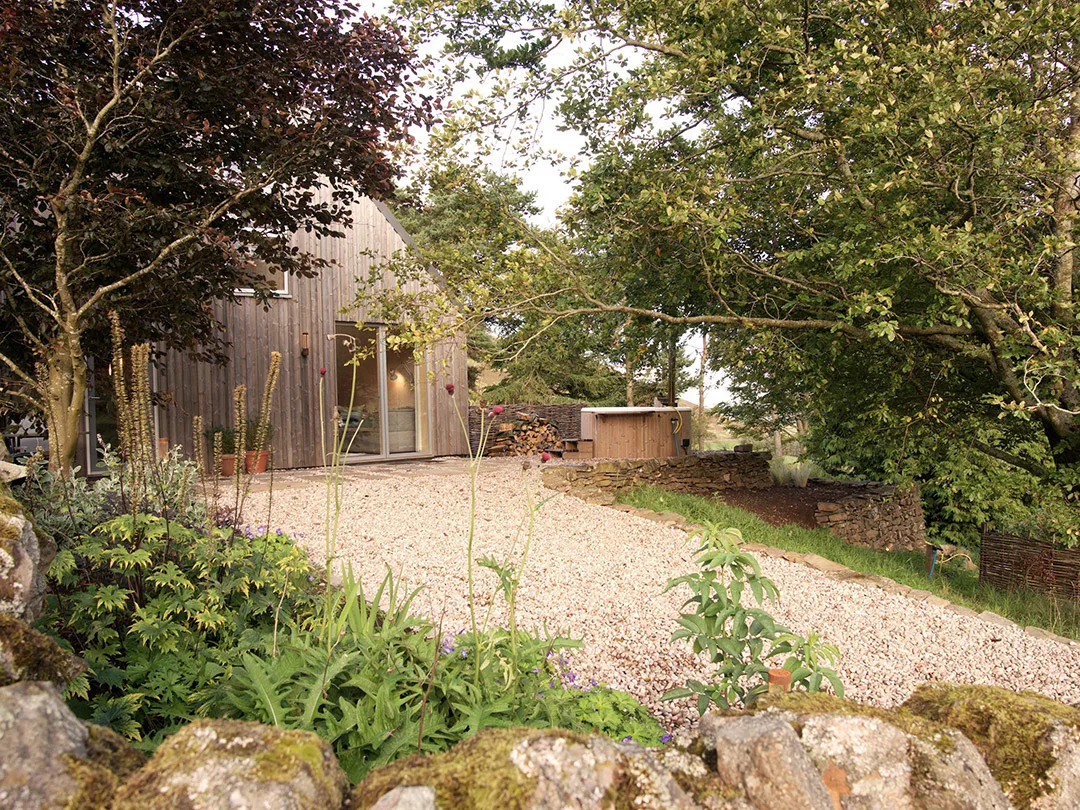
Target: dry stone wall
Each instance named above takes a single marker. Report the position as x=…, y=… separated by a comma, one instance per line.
x=699, y=474
x=879, y=516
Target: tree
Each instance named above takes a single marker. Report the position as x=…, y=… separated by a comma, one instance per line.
x=473, y=222
x=897, y=181
x=154, y=154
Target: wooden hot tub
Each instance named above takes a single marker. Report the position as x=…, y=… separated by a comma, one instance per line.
x=634, y=432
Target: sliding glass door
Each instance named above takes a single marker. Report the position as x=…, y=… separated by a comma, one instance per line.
x=382, y=395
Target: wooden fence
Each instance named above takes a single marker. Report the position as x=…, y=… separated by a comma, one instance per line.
x=1009, y=563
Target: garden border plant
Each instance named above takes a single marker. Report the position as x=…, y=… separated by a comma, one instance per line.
x=380, y=682
x=740, y=640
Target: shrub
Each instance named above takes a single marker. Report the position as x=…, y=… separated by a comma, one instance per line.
x=739, y=639
x=68, y=509
x=161, y=612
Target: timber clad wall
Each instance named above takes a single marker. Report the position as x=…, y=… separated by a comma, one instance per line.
x=313, y=305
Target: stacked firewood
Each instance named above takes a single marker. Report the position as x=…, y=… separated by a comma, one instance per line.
x=525, y=434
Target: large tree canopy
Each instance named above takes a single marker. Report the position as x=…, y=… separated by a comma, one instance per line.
x=891, y=181
x=154, y=152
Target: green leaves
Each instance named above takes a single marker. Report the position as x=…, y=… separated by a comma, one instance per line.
x=164, y=612
x=386, y=685
x=740, y=640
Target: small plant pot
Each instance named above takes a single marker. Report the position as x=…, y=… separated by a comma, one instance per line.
x=228, y=465
x=256, y=462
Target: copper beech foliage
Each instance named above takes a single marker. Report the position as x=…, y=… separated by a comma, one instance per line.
x=152, y=152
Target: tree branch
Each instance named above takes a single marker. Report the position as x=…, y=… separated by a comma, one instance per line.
x=1021, y=462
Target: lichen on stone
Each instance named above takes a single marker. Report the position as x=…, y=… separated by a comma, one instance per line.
x=476, y=774
x=1011, y=731
x=806, y=703
x=209, y=759
x=95, y=784
x=27, y=655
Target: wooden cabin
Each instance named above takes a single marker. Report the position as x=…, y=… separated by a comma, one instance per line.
x=390, y=406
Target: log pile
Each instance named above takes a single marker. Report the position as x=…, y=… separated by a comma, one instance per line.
x=524, y=434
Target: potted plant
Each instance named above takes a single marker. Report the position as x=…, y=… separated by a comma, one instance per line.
x=254, y=462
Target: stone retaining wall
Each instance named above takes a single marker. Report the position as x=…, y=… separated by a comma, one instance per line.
x=878, y=516
x=699, y=474
x=566, y=417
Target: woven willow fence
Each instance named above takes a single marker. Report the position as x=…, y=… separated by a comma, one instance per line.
x=1010, y=562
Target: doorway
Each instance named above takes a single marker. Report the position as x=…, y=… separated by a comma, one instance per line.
x=382, y=404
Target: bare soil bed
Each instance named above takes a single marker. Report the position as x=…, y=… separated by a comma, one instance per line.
x=782, y=506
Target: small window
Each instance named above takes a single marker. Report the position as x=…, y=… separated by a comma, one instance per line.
x=277, y=280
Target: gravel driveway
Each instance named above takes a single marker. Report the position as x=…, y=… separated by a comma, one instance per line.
x=598, y=574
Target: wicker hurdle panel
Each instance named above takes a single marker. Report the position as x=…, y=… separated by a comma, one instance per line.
x=1010, y=562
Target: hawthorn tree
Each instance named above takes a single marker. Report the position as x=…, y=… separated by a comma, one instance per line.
x=890, y=180
x=153, y=153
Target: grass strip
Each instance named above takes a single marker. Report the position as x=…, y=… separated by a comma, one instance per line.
x=951, y=582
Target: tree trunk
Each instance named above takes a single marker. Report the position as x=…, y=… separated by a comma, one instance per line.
x=701, y=392
x=778, y=444
x=629, y=384
x=66, y=379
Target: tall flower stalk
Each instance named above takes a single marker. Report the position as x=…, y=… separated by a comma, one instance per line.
x=475, y=458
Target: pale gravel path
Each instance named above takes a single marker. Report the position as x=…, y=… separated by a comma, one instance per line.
x=598, y=574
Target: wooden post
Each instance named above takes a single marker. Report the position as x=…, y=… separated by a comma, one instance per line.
x=163, y=447
x=779, y=681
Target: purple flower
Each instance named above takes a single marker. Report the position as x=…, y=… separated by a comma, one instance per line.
x=570, y=676
x=627, y=738
x=464, y=653
x=311, y=578
x=666, y=738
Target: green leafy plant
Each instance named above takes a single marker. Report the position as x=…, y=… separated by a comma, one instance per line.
x=389, y=684
x=69, y=508
x=741, y=639
x=161, y=612
x=618, y=715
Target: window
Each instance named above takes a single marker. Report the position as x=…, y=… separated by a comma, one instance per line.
x=276, y=279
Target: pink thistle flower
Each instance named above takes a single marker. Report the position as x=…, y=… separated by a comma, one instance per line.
x=545, y=456
x=450, y=389
x=322, y=372
x=497, y=410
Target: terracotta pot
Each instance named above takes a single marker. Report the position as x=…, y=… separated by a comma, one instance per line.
x=253, y=464
x=228, y=465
